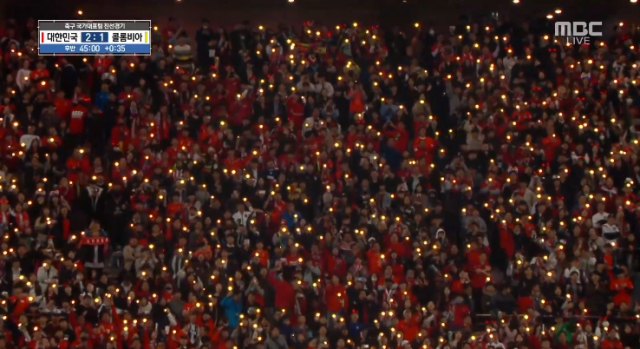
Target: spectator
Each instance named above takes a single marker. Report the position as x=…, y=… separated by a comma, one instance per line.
x=327, y=187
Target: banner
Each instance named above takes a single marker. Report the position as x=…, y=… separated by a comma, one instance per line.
x=94, y=241
x=318, y=47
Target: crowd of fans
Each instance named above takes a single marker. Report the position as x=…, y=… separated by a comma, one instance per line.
x=339, y=186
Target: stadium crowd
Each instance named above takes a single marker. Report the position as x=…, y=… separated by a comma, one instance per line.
x=325, y=187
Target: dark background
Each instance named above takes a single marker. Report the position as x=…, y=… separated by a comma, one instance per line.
x=439, y=13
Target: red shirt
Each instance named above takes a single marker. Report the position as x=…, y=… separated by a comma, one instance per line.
x=460, y=311
x=356, y=104
x=427, y=150
x=120, y=137
x=78, y=114
x=409, y=328
x=63, y=107
x=263, y=257
x=76, y=167
x=401, y=137
x=550, y=144
x=239, y=111
x=174, y=208
x=185, y=143
x=374, y=264
x=473, y=257
x=611, y=344
x=21, y=305
x=620, y=287
x=101, y=64
x=506, y=242
x=233, y=164
x=284, y=293
x=53, y=142
x=39, y=74
x=336, y=296
x=295, y=112
x=478, y=279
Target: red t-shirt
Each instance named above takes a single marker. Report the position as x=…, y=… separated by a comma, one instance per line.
x=63, y=107
x=336, y=296
x=409, y=328
x=295, y=111
x=549, y=145
x=174, y=208
x=78, y=114
x=478, y=279
x=21, y=305
x=39, y=74
x=101, y=64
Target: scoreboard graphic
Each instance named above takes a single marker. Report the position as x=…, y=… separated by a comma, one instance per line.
x=85, y=38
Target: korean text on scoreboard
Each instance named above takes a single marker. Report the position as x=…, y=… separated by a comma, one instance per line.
x=74, y=37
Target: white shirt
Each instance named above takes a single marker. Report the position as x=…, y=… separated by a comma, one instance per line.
x=325, y=86
x=569, y=271
x=599, y=217
x=27, y=140
x=176, y=264
x=95, y=197
x=270, y=48
x=182, y=52
x=610, y=232
x=22, y=77
x=241, y=218
x=45, y=276
x=308, y=125
x=16, y=274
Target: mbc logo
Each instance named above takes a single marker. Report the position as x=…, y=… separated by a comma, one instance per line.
x=578, y=33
